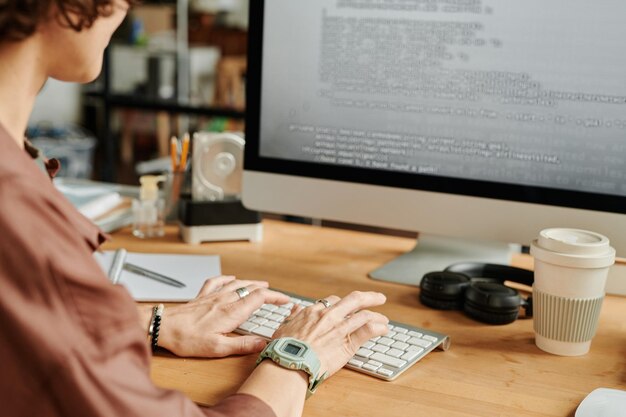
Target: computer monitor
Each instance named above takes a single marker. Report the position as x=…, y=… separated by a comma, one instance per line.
x=480, y=120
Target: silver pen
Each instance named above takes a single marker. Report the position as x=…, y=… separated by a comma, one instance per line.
x=153, y=275
x=115, y=270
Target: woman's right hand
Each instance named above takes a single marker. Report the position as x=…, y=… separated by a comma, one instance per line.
x=337, y=332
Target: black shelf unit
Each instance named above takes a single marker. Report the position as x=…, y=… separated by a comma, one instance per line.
x=108, y=102
x=170, y=106
x=101, y=95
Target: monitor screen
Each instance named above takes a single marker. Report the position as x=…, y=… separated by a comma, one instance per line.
x=464, y=106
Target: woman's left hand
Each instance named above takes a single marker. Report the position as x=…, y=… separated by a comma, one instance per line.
x=199, y=328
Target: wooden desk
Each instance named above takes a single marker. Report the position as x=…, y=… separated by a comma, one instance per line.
x=488, y=371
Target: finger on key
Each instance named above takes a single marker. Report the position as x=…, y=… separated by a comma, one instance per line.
x=367, y=331
x=239, y=283
x=212, y=285
x=258, y=297
x=358, y=300
x=296, y=309
x=360, y=319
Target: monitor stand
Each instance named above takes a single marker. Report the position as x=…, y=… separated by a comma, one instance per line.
x=434, y=253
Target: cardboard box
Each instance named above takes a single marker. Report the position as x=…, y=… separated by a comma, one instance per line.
x=156, y=18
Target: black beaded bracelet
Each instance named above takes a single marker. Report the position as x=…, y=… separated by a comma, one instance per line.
x=155, y=325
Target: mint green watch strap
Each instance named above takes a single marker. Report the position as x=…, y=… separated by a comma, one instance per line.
x=295, y=354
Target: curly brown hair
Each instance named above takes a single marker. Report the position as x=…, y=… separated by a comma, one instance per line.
x=19, y=19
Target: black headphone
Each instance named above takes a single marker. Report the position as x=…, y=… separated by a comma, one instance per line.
x=479, y=290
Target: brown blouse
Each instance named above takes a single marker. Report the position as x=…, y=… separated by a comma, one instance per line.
x=70, y=342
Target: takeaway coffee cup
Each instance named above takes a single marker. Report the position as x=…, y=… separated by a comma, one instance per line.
x=571, y=268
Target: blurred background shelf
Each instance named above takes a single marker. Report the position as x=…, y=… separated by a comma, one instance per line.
x=172, y=67
x=170, y=106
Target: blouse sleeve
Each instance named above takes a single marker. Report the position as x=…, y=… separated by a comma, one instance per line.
x=71, y=342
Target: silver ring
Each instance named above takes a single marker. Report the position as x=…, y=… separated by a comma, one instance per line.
x=326, y=303
x=242, y=292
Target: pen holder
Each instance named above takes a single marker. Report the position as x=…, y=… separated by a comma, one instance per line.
x=172, y=190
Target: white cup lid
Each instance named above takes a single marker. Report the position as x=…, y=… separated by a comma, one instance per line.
x=573, y=241
x=573, y=247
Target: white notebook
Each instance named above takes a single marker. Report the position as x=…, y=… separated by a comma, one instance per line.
x=192, y=270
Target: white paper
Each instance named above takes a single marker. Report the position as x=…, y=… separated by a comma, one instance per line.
x=193, y=270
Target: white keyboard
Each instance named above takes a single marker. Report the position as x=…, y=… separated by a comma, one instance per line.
x=383, y=357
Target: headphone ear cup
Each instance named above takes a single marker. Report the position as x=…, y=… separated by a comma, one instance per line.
x=492, y=303
x=443, y=290
x=441, y=304
x=489, y=317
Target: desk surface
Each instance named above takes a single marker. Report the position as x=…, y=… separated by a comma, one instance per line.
x=488, y=371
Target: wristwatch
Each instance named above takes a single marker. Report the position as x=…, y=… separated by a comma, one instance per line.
x=295, y=354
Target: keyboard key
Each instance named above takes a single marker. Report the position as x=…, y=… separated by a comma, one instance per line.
x=385, y=341
x=248, y=326
x=370, y=367
x=414, y=348
x=399, y=329
x=390, y=335
x=356, y=362
x=269, y=307
x=419, y=342
x=264, y=331
x=366, y=353
x=380, y=348
x=282, y=311
x=385, y=371
x=276, y=317
x=401, y=337
x=388, y=360
x=263, y=313
x=259, y=320
x=272, y=325
x=368, y=344
x=430, y=338
x=396, y=353
x=409, y=356
x=413, y=333
x=400, y=345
